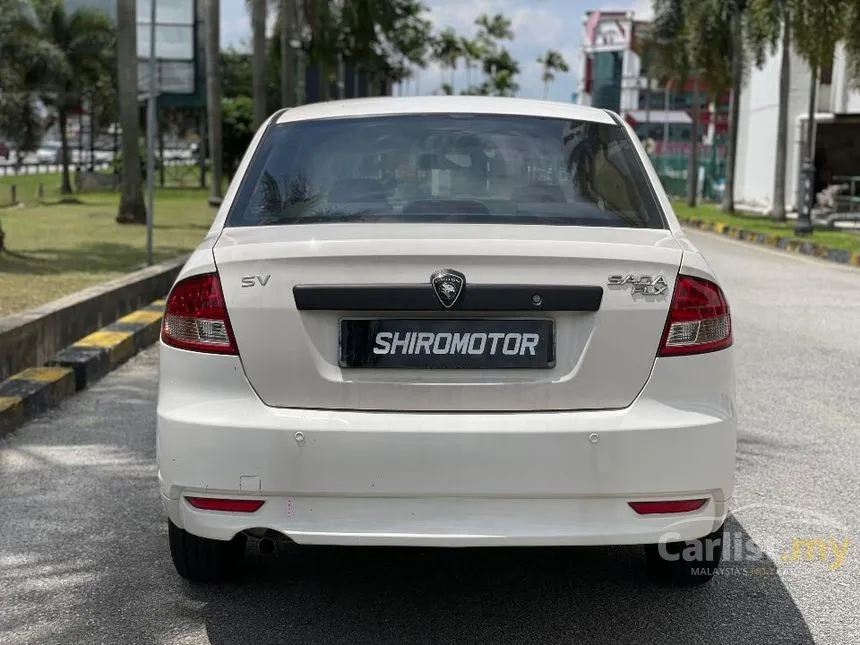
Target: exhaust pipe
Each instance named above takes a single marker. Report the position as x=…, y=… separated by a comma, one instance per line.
x=267, y=546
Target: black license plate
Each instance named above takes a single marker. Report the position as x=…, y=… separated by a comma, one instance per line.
x=447, y=344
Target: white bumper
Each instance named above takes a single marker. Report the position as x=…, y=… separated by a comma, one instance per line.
x=547, y=478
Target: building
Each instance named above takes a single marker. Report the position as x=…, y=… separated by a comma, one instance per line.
x=837, y=139
x=180, y=48
x=181, y=54
x=614, y=76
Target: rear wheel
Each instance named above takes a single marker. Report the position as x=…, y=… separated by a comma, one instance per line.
x=200, y=559
x=687, y=563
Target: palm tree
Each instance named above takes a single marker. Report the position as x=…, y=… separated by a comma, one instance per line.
x=852, y=41
x=84, y=39
x=737, y=9
x=501, y=70
x=472, y=52
x=286, y=19
x=491, y=30
x=131, y=205
x=258, y=61
x=671, y=60
x=552, y=62
x=710, y=40
x=25, y=62
x=447, y=50
x=812, y=30
x=213, y=93
x=817, y=27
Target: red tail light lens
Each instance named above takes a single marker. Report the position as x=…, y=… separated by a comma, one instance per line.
x=195, y=317
x=226, y=505
x=658, y=508
x=699, y=320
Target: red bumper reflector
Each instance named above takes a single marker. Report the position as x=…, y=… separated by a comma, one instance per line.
x=226, y=505
x=678, y=506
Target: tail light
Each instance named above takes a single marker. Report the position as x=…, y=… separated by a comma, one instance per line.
x=226, y=505
x=677, y=506
x=699, y=320
x=195, y=317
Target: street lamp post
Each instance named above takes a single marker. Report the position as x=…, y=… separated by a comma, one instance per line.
x=803, y=224
x=150, y=136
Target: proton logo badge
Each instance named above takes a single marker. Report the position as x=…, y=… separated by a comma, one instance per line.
x=448, y=285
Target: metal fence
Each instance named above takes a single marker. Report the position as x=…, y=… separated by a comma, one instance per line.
x=672, y=170
x=37, y=182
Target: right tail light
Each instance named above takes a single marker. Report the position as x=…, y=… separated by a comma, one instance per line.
x=699, y=320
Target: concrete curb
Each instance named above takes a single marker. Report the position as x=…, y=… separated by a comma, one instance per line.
x=34, y=390
x=790, y=244
x=34, y=337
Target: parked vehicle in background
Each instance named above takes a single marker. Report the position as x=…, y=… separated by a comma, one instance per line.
x=49, y=152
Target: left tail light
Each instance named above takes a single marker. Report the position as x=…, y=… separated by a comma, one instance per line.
x=195, y=317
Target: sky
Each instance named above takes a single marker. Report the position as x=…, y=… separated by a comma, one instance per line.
x=538, y=25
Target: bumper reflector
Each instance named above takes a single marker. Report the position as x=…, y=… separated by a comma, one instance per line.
x=676, y=506
x=225, y=505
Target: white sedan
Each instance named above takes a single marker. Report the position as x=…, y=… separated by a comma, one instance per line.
x=446, y=322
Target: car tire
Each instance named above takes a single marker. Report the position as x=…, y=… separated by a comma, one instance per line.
x=203, y=560
x=668, y=564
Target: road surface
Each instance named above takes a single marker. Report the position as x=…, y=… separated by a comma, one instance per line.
x=83, y=548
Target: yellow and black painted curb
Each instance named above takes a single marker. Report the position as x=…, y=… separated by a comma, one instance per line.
x=790, y=244
x=28, y=393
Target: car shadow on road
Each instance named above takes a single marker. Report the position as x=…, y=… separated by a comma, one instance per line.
x=575, y=595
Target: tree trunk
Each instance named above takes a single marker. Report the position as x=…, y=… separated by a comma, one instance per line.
x=693, y=165
x=810, y=134
x=778, y=212
x=324, y=81
x=66, y=187
x=258, y=24
x=285, y=53
x=728, y=205
x=213, y=95
x=131, y=206
x=160, y=132
x=93, y=120
x=647, y=107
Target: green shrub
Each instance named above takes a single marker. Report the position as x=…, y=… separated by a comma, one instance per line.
x=237, y=131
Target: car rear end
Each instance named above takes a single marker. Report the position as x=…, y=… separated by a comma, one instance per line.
x=468, y=324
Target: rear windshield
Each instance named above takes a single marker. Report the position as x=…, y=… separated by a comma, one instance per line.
x=446, y=168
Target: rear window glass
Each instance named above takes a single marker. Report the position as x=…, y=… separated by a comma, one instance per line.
x=446, y=168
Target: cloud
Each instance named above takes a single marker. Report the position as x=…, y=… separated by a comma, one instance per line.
x=644, y=9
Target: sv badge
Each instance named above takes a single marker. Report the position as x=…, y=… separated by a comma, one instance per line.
x=254, y=280
x=644, y=285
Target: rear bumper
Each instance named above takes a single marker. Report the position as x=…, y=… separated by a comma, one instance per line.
x=543, y=478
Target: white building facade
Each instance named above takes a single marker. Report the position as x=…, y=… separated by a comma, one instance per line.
x=837, y=138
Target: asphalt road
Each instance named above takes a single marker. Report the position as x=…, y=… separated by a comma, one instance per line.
x=83, y=545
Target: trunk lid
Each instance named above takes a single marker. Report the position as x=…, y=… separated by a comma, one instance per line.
x=292, y=357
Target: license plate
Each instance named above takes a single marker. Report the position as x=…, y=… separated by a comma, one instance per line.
x=447, y=344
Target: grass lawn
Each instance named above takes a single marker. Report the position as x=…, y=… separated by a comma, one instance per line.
x=28, y=187
x=58, y=249
x=845, y=240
